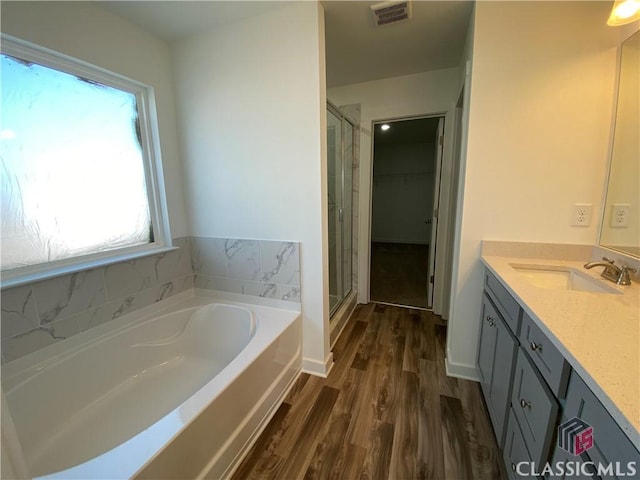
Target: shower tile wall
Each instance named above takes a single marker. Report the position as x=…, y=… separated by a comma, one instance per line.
x=42, y=313
x=261, y=268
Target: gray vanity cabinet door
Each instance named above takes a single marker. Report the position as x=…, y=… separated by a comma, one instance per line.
x=564, y=458
x=535, y=408
x=496, y=357
x=610, y=443
x=514, y=452
x=486, y=352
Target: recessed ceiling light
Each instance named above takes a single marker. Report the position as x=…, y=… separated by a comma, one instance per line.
x=384, y=127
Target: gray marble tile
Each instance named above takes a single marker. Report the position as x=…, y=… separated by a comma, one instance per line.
x=184, y=283
x=25, y=343
x=223, y=284
x=64, y=296
x=38, y=338
x=95, y=316
x=271, y=290
x=143, y=298
x=280, y=262
x=116, y=308
x=127, y=278
x=19, y=313
x=231, y=258
x=181, y=262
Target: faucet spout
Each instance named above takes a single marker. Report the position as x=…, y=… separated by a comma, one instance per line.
x=607, y=266
x=618, y=275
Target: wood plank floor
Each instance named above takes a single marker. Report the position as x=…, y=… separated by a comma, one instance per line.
x=399, y=273
x=386, y=411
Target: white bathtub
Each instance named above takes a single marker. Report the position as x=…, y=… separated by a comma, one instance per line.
x=175, y=390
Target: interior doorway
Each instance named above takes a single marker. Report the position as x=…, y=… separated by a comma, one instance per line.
x=407, y=156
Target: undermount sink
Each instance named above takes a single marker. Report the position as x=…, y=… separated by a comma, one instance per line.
x=562, y=278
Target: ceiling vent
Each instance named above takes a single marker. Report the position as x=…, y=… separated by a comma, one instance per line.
x=386, y=13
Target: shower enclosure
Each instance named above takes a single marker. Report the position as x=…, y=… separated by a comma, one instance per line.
x=340, y=196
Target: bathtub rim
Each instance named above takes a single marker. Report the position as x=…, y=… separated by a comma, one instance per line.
x=11, y=372
x=22, y=368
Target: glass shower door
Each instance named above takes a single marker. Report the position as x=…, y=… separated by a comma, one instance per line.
x=339, y=190
x=334, y=192
x=347, y=207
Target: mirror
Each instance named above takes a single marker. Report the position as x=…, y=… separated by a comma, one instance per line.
x=621, y=219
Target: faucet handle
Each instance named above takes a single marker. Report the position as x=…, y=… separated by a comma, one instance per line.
x=607, y=260
x=625, y=278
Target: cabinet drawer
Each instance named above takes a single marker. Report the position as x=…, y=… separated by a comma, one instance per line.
x=550, y=362
x=535, y=409
x=515, y=451
x=508, y=307
x=610, y=443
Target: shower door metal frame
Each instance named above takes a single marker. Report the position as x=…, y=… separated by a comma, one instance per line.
x=340, y=274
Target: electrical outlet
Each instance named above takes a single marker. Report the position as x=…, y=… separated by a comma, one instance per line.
x=582, y=214
x=620, y=214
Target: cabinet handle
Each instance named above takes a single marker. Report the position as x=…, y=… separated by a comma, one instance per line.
x=524, y=403
x=489, y=319
x=536, y=346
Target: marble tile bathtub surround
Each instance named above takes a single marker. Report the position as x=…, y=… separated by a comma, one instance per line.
x=42, y=313
x=122, y=279
x=263, y=268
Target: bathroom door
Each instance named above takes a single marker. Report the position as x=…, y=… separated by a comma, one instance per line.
x=434, y=223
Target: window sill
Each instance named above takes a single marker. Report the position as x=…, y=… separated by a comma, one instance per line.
x=37, y=273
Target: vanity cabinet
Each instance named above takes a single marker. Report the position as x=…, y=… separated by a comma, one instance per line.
x=610, y=443
x=534, y=408
x=530, y=390
x=498, y=346
x=515, y=451
x=545, y=356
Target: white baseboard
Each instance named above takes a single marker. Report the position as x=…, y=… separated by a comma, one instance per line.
x=459, y=370
x=319, y=369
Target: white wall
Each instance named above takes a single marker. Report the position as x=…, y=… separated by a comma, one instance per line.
x=410, y=95
x=402, y=195
x=252, y=122
x=89, y=33
x=540, y=114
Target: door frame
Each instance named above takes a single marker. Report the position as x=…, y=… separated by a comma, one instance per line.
x=435, y=220
x=333, y=109
x=366, y=284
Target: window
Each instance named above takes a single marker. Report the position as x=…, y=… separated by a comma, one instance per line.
x=79, y=174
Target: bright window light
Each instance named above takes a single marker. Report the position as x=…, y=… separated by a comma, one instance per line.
x=385, y=127
x=73, y=176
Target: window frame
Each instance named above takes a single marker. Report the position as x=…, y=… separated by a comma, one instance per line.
x=151, y=158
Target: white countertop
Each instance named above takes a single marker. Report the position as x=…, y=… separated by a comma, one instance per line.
x=599, y=334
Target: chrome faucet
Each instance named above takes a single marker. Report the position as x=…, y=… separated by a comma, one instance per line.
x=618, y=275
